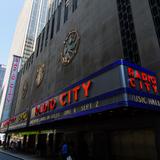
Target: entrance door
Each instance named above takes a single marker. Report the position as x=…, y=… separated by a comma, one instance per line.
x=89, y=145
x=100, y=145
x=42, y=144
x=133, y=145
x=31, y=143
x=50, y=146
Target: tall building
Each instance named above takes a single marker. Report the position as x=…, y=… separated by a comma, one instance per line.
x=31, y=21
x=93, y=81
x=37, y=20
x=2, y=73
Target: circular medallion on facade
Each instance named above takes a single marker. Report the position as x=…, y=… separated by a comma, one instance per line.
x=25, y=89
x=71, y=45
x=39, y=74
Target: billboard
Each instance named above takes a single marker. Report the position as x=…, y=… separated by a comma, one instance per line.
x=118, y=85
x=11, y=88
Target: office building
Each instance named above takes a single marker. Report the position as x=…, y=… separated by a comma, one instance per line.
x=31, y=21
x=37, y=20
x=93, y=82
x=2, y=73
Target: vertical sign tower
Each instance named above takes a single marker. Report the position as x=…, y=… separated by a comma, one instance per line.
x=11, y=87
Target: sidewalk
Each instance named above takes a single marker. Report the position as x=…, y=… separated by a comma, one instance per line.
x=21, y=155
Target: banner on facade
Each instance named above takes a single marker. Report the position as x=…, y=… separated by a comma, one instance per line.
x=11, y=87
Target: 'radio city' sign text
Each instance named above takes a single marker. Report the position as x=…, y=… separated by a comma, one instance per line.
x=142, y=81
x=64, y=99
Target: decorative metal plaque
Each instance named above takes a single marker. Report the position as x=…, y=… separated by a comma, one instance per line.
x=25, y=89
x=40, y=74
x=70, y=49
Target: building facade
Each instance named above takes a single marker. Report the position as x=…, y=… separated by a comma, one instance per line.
x=92, y=81
x=2, y=73
x=31, y=21
x=11, y=87
x=37, y=20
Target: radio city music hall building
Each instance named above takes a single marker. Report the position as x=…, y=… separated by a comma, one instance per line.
x=93, y=80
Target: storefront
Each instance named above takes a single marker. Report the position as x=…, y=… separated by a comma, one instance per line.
x=111, y=114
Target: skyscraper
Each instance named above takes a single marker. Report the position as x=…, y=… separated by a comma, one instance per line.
x=2, y=73
x=31, y=21
x=37, y=21
x=92, y=83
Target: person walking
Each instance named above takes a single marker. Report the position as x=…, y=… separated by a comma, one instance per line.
x=65, y=152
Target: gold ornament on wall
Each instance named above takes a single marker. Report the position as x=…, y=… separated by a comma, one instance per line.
x=70, y=49
x=25, y=89
x=40, y=74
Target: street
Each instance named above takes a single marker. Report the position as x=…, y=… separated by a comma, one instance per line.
x=4, y=156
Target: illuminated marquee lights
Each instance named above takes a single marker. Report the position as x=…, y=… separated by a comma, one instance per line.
x=64, y=98
x=8, y=122
x=19, y=118
x=22, y=117
x=142, y=81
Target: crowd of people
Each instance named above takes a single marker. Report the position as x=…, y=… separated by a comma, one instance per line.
x=15, y=146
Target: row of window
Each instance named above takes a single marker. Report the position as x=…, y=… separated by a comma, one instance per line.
x=28, y=63
x=155, y=10
x=129, y=42
x=43, y=38
x=128, y=34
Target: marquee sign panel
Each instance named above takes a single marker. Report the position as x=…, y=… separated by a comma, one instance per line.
x=120, y=84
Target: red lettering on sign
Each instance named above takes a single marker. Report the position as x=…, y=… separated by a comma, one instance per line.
x=62, y=99
x=52, y=104
x=149, y=78
x=142, y=81
x=154, y=80
x=140, y=85
x=132, y=82
x=86, y=88
x=137, y=75
x=75, y=92
x=130, y=72
x=155, y=89
x=144, y=76
x=69, y=97
x=65, y=98
x=147, y=85
x=36, y=111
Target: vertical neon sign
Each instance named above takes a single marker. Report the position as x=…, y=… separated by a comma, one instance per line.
x=11, y=87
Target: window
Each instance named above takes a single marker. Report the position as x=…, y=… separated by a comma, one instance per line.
x=46, y=40
x=59, y=17
x=52, y=27
x=38, y=46
x=66, y=11
x=128, y=35
x=155, y=9
x=133, y=144
x=32, y=57
x=42, y=39
x=74, y=5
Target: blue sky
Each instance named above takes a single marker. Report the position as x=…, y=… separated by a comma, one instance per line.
x=9, y=12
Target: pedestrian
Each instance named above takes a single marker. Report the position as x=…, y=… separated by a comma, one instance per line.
x=65, y=153
x=19, y=145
